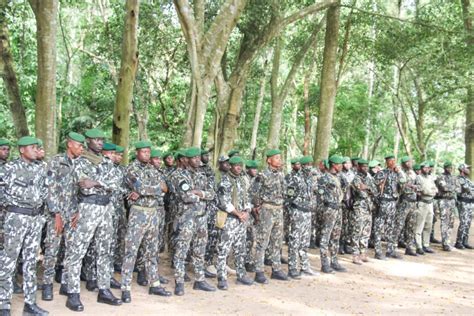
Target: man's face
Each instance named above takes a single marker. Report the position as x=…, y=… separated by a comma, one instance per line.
x=347, y=165
x=425, y=170
x=355, y=164
x=95, y=144
x=337, y=167
x=75, y=148
x=390, y=163
x=118, y=158
x=29, y=152
x=321, y=166
x=407, y=164
x=169, y=161
x=364, y=168
x=156, y=162
x=194, y=162
x=4, y=152
x=296, y=166
x=467, y=171
x=205, y=158
x=448, y=170
x=143, y=155
x=224, y=166
x=40, y=153
x=109, y=154
x=252, y=172
x=236, y=169
x=274, y=161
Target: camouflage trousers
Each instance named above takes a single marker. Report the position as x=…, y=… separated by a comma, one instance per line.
x=140, y=263
x=286, y=224
x=190, y=231
x=95, y=223
x=22, y=232
x=232, y=237
x=330, y=233
x=250, y=242
x=424, y=222
x=316, y=225
x=121, y=232
x=299, y=238
x=54, y=249
x=212, y=234
x=405, y=225
x=2, y=220
x=447, y=209
x=346, y=229
x=384, y=225
x=143, y=229
x=269, y=233
x=465, y=218
x=361, y=220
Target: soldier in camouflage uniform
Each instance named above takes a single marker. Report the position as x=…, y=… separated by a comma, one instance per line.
x=193, y=192
x=364, y=191
x=465, y=207
x=120, y=211
x=447, y=187
x=388, y=182
x=300, y=203
x=316, y=173
x=346, y=176
x=25, y=192
x=295, y=168
x=269, y=202
x=95, y=186
x=4, y=154
x=147, y=188
x=169, y=198
x=330, y=197
x=250, y=176
x=233, y=199
x=62, y=206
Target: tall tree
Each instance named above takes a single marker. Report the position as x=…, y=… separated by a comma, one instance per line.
x=469, y=133
x=10, y=78
x=128, y=70
x=328, y=85
x=46, y=14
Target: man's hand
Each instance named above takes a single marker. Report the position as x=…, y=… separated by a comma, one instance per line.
x=74, y=219
x=198, y=193
x=363, y=187
x=58, y=224
x=164, y=187
x=133, y=196
x=87, y=183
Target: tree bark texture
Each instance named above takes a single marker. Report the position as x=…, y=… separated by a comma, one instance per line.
x=469, y=133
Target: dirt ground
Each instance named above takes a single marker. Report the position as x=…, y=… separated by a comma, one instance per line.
x=442, y=283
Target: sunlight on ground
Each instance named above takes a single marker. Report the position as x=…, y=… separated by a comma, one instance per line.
x=405, y=269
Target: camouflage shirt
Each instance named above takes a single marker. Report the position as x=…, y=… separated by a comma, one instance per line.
x=253, y=186
x=389, y=183
x=232, y=193
x=299, y=190
x=209, y=173
x=329, y=190
x=447, y=186
x=466, y=189
x=119, y=194
x=62, y=198
x=144, y=179
x=187, y=180
x=363, y=195
x=271, y=187
x=25, y=184
x=410, y=188
x=2, y=181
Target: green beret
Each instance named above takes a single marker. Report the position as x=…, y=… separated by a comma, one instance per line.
x=326, y=163
x=373, y=163
x=119, y=149
x=27, y=140
x=355, y=159
x=204, y=152
x=236, y=160
x=156, y=153
x=76, y=137
x=346, y=159
x=417, y=166
x=390, y=156
x=294, y=160
x=431, y=164
x=335, y=159
x=4, y=142
x=362, y=162
x=40, y=143
x=192, y=152
x=425, y=164
x=109, y=147
x=251, y=164
x=167, y=154
x=94, y=133
x=143, y=144
x=233, y=152
x=272, y=152
x=306, y=159
x=405, y=159
x=447, y=164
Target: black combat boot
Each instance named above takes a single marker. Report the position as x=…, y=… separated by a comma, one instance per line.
x=379, y=256
x=58, y=274
x=63, y=290
x=294, y=274
x=141, y=278
x=203, y=286
x=249, y=267
x=336, y=266
x=107, y=297
x=420, y=251
x=179, y=289
x=74, y=302
x=245, y=280
x=47, y=293
x=91, y=285
x=393, y=254
x=326, y=267
x=33, y=309
x=428, y=250
x=279, y=275
x=163, y=280
x=158, y=290
x=410, y=252
x=267, y=262
x=126, y=297
x=260, y=278
x=114, y=283
x=222, y=284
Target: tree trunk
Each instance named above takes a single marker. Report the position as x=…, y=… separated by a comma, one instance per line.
x=469, y=134
x=328, y=85
x=46, y=13
x=273, y=140
x=307, y=115
x=128, y=70
x=9, y=77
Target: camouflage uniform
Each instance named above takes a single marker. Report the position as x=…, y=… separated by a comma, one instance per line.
x=300, y=201
x=232, y=194
x=330, y=197
x=251, y=229
x=269, y=229
x=25, y=192
x=190, y=222
x=61, y=200
x=361, y=215
x=2, y=199
x=143, y=222
x=346, y=178
x=211, y=210
x=466, y=208
x=120, y=220
x=405, y=219
x=95, y=221
x=170, y=206
x=316, y=218
x=385, y=219
x=447, y=187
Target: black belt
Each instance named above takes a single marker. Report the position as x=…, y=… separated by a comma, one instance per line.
x=94, y=199
x=300, y=208
x=407, y=199
x=383, y=199
x=23, y=210
x=466, y=200
x=426, y=201
x=335, y=206
x=446, y=198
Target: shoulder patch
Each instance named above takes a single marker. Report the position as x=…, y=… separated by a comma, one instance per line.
x=184, y=186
